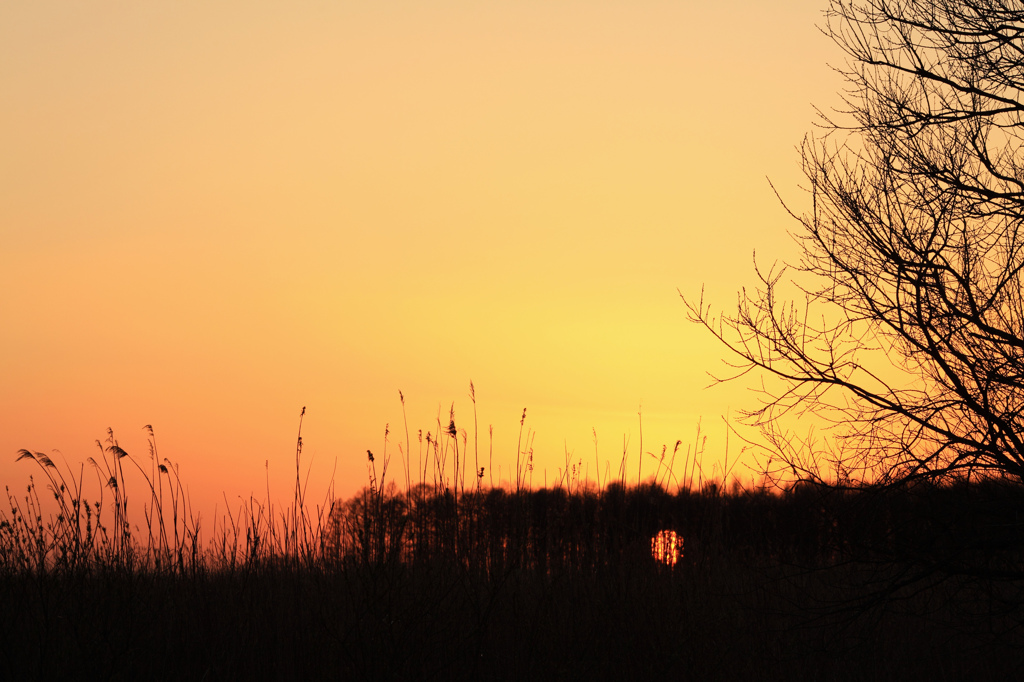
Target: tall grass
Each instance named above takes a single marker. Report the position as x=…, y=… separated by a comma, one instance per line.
x=59, y=528
x=81, y=533
x=453, y=579
x=575, y=524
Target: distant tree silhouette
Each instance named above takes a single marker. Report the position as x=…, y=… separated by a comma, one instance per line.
x=910, y=334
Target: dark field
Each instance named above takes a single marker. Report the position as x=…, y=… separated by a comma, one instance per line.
x=805, y=584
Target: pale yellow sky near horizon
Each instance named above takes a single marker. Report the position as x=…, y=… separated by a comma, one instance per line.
x=213, y=214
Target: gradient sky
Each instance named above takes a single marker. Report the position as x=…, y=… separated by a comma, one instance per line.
x=214, y=214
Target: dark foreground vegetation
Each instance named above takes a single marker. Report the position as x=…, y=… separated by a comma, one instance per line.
x=441, y=583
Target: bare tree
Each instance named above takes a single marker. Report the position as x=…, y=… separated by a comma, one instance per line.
x=909, y=338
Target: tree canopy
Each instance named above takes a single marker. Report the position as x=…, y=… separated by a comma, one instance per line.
x=909, y=339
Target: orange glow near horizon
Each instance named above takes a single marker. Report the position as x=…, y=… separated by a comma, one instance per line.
x=214, y=215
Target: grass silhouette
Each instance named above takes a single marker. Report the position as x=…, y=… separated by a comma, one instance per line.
x=447, y=580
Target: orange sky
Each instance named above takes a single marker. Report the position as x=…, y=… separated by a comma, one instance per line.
x=213, y=214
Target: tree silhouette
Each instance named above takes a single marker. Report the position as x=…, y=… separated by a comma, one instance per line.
x=909, y=339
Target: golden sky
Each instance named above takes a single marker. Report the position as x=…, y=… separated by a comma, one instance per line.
x=215, y=213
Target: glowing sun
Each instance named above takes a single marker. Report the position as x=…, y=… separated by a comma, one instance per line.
x=667, y=547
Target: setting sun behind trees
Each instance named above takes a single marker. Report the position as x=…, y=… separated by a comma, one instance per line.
x=213, y=216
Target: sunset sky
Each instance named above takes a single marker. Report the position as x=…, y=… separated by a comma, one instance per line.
x=215, y=213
